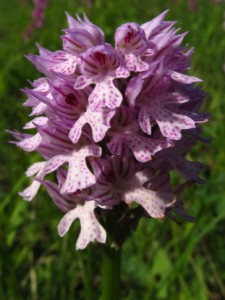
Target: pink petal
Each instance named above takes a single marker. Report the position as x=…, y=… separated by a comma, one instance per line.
x=35, y=168
x=186, y=79
x=150, y=26
x=155, y=203
x=116, y=145
x=144, y=148
x=91, y=230
x=55, y=162
x=135, y=64
x=133, y=89
x=30, y=192
x=144, y=121
x=78, y=175
x=38, y=120
x=144, y=176
x=171, y=124
x=67, y=67
x=67, y=221
x=122, y=72
x=39, y=109
x=82, y=81
x=31, y=143
x=76, y=130
x=41, y=85
x=61, y=176
x=85, y=33
x=178, y=98
x=105, y=94
x=99, y=122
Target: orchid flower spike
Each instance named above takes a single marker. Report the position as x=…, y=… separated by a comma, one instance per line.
x=111, y=123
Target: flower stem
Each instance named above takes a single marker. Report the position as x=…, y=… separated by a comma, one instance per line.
x=111, y=272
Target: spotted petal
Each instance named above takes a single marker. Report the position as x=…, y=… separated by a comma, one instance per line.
x=135, y=64
x=186, y=79
x=122, y=72
x=67, y=67
x=30, y=192
x=82, y=81
x=39, y=109
x=30, y=143
x=91, y=229
x=143, y=148
x=170, y=123
x=105, y=94
x=99, y=122
x=38, y=120
x=155, y=203
x=78, y=176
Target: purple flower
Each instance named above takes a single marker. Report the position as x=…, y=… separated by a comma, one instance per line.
x=81, y=35
x=159, y=104
x=38, y=14
x=91, y=230
x=112, y=123
x=100, y=65
x=130, y=39
x=118, y=179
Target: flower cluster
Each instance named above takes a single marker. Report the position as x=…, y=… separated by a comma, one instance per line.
x=38, y=14
x=112, y=123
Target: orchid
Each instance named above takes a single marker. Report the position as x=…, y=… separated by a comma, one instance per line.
x=113, y=122
x=38, y=14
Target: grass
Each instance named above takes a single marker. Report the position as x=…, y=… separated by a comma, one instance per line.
x=162, y=260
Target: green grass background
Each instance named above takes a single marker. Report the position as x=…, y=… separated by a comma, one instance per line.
x=162, y=260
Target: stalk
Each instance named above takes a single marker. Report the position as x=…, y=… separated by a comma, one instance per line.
x=111, y=268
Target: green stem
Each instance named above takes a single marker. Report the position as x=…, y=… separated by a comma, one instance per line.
x=111, y=272
x=88, y=282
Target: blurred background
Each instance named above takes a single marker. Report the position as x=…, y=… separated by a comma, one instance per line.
x=162, y=260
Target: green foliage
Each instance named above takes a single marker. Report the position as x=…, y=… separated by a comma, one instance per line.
x=162, y=260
